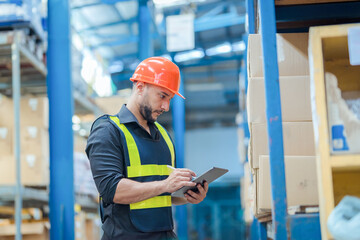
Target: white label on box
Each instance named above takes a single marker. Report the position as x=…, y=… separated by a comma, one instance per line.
x=280, y=49
x=33, y=103
x=354, y=45
x=31, y=159
x=3, y=132
x=32, y=131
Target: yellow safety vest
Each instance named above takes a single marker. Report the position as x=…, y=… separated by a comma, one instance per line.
x=136, y=169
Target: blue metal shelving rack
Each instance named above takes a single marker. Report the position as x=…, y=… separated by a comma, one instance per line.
x=301, y=226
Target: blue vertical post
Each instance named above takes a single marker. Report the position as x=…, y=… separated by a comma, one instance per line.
x=145, y=46
x=250, y=16
x=273, y=118
x=178, y=115
x=59, y=88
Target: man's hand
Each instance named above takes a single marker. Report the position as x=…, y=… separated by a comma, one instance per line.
x=197, y=197
x=178, y=178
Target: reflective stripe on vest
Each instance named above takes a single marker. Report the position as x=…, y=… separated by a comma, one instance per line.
x=137, y=170
x=168, y=142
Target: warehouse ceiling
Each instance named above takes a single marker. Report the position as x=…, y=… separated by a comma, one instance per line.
x=210, y=71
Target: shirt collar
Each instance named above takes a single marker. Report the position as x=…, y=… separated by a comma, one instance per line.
x=125, y=116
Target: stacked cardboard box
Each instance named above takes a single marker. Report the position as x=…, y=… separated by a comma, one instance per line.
x=38, y=230
x=34, y=139
x=298, y=136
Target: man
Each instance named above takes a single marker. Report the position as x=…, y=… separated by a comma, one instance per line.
x=130, y=155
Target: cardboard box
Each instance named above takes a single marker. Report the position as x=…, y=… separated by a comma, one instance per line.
x=298, y=139
x=35, y=111
x=6, y=111
x=80, y=218
x=93, y=226
x=30, y=231
x=6, y=140
x=301, y=181
x=35, y=140
x=34, y=170
x=294, y=94
x=292, y=54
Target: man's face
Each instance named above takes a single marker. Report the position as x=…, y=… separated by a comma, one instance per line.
x=155, y=101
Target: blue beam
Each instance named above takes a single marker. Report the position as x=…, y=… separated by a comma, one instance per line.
x=59, y=87
x=93, y=28
x=121, y=41
x=146, y=48
x=218, y=73
x=220, y=21
x=86, y=5
x=273, y=118
x=250, y=9
x=304, y=226
x=107, y=2
x=113, y=1
x=213, y=12
x=178, y=114
x=262, y=231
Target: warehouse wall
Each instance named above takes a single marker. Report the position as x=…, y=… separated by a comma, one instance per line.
x=205, y=148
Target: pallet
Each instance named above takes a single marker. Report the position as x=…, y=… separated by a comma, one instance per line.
x=338, y=175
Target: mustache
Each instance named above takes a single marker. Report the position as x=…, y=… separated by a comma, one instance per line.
x=159, y=111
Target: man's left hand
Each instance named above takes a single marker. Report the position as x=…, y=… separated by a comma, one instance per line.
x=197, y=197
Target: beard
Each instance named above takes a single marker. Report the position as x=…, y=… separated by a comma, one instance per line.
x=146, y=112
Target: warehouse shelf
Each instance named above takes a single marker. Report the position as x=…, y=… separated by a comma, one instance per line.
x=338, y=172
x=34, y=197
x=292, y=16
x=22, y=72
x=345, y=162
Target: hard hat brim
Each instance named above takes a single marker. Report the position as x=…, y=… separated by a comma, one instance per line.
x=159, y=85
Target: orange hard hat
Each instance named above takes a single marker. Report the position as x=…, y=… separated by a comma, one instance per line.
x=159, y=71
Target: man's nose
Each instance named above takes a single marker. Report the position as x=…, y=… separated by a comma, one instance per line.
x=165, y=105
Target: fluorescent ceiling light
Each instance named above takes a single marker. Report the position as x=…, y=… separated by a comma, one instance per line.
x=167, y=56
x=189, y=55
x=199, y=87
x=115, y=67
x=219, y=49
x=238, y=46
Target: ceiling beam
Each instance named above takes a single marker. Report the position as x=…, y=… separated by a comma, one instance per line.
x=220, y=21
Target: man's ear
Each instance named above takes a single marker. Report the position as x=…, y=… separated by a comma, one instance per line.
x=140, y=87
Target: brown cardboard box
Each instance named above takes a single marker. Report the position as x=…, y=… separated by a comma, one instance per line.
x=92, y=226
x=6, y=111
x=30, y=231
x=295, y=99
x=301, y=182
x=34, y=111
x=298, y=139
x=6, y=140
x=292, y=54
x=35, y=140
x=80, y=229
x=34, y=170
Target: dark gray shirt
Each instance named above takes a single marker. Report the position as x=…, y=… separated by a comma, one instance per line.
x=105, y=152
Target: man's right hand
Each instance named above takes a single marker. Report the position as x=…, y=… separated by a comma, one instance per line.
x=178, y=178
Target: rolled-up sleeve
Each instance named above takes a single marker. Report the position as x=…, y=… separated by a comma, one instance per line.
x=105, y=152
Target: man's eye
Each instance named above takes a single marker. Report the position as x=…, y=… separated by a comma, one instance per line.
x=162, y=96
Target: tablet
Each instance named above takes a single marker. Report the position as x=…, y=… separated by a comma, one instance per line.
x=209, y=176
